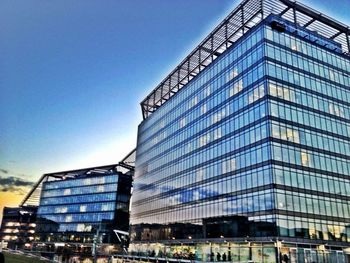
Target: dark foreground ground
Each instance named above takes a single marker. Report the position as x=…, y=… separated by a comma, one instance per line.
x=18, y=258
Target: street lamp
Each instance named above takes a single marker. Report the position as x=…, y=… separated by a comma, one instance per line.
x=97, y=239
x=278, y=245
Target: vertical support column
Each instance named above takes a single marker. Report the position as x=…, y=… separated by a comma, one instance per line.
x=188, y=70
x=212, y=47
x=170, y=87
x=162, y=93
x=347, y=42
x=242, y=17
x=226, y=33
x=200, y=59
x=154, y=99
x=295, y=16
x=147, y=108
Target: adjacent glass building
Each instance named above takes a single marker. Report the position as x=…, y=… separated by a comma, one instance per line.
x=244, y=150
x=81, y=208
x=18, y=227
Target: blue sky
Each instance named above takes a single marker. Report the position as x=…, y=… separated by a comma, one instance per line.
x=72, y=74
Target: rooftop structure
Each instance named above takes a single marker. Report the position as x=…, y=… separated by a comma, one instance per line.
x=237, y=23
x=33, y=196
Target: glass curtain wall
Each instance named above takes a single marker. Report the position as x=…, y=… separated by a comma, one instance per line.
x=309, y=98
x=255, y=146
x=205, y=153
x=76, y=205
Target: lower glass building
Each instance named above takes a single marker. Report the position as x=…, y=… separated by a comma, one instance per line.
x=79, y=211
x=248, y=159
x=18, y=227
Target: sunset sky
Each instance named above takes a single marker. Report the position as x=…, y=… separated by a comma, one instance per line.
x=72, y=75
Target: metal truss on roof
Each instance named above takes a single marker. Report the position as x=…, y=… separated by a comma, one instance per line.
x=129, y=161
x=33, y=196
x=238, y=22
x=124, y=166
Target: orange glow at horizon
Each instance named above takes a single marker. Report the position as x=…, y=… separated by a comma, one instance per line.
x=9, y=199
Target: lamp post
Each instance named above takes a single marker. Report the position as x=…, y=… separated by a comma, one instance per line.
x=96, y=240
x=94, y=246
x=278, y=245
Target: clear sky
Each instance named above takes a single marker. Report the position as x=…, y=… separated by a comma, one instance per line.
x=72, y=75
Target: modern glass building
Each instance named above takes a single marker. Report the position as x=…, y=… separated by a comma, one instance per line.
x=80, y=209
x=18, y=227
x=244, y=150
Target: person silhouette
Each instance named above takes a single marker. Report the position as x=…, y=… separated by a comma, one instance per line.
x=218, y=256
x=211, y=256
x=229, y=256
x=224, y=257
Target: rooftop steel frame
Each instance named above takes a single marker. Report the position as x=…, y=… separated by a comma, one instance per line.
x=129, y=161
x=238, y=22
x=125, y=165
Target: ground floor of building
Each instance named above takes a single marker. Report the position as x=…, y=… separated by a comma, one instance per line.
x=76, y=252
x=239, y=251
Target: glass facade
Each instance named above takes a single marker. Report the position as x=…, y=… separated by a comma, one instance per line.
x=74, y=209
x=256, y=145
x=18, y=227
x=309, y=95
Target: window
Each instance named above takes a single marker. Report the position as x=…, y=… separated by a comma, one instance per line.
x=193, y=102
x=289, y=134
x=203, y=108
x=276, y=131
x=217, y=117
x=80, y=227
x=204, y=139
x=87, y=181
x=217, y=133
x=207, y=91
x=183, y=122
x=82, y=208
x=105, y=207
x=84, y=228
x=229, y=165
x=304, y=159
x=200, y=174
x=237, y=87
x=61, y=209
x=232, y=74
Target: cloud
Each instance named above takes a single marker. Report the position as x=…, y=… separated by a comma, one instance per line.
x=14, y=184
x=9, y=172
x=4, y=171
